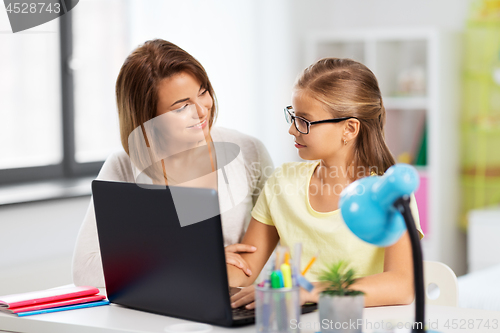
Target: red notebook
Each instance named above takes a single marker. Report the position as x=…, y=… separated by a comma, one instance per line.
x=50, y=297
x=57, y=304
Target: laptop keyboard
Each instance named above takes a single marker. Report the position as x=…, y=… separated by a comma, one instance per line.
x=243, y=312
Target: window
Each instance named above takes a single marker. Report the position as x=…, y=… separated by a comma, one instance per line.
x=100, y=45
x=57, y=103
x=30, y=102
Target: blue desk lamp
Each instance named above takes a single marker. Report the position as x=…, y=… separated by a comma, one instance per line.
x=377, y=210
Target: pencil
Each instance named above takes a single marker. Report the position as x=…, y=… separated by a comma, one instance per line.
x=311, y=262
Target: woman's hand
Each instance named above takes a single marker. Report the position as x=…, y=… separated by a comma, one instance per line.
x=247, y=296
x=233, y=257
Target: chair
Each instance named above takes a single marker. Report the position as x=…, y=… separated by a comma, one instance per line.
x=445, y=279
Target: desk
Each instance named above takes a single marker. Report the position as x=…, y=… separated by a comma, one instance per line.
x=115, y=318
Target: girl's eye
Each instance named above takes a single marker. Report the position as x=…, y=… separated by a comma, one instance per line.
x=204, y=92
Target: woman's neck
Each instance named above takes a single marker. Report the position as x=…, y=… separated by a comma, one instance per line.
x=192, y=163
x=180, y=152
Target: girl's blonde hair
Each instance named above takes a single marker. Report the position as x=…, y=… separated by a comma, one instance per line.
x=348, y=88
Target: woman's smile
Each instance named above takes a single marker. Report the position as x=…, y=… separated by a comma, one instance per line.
x=200, y=125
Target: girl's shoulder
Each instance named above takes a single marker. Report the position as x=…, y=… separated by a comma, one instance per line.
x=293, y=167
x=295, y=170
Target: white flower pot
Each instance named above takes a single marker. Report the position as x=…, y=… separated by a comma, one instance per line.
x=341, y=313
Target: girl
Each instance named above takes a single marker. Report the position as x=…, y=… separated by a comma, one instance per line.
x=166, y=109
x=337, y=120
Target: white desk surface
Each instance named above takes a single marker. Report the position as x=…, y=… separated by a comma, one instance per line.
x=114, y=318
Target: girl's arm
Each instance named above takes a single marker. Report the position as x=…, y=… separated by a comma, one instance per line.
x=391, y=287
x=265, y=238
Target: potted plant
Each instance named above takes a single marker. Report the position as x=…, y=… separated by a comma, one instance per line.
x=340, y=308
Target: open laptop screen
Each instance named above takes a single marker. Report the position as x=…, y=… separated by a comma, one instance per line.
x=153, y=263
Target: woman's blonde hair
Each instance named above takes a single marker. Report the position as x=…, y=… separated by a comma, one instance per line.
x=348, y=88
x=137, y=94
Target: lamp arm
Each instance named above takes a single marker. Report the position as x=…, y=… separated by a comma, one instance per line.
x=403, y=206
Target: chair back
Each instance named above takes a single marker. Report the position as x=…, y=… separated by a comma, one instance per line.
x=442, y=276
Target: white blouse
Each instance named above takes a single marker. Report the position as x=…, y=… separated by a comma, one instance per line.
x=238, y=191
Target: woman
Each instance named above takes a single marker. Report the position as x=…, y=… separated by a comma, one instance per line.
x=166, y=107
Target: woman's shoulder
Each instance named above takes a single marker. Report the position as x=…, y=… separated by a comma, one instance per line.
x=117, y=167
x=252, y=148
x=222, y=134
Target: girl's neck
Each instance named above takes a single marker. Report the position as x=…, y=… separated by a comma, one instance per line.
x=336, y=170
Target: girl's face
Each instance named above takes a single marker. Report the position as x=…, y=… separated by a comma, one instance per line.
x=183, y=112
x=324, y=141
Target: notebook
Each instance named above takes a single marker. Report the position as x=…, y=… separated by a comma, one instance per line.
x=65, y=302
x=49, y=299
x=64, y=308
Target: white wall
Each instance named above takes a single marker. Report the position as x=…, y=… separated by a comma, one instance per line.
x=314, y=15
x=220, y=34
x=322, y=14
x=37, y=241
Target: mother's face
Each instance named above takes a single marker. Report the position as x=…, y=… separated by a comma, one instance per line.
x=184, y=107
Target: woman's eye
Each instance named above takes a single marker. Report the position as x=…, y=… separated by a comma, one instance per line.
x=181, y=109
x=204, y=92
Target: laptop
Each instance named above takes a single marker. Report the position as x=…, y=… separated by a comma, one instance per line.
x=156, y=263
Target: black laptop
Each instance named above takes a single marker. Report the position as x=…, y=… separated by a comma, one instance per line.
x=162, y=251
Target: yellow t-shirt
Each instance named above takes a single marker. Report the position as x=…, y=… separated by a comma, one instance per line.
x=284, y=203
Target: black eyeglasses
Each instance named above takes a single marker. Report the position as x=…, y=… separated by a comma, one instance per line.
x=302, y=125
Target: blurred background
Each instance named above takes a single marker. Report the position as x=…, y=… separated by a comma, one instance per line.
x=437, y=61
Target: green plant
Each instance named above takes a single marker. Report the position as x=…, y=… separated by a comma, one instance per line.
x=339, y=279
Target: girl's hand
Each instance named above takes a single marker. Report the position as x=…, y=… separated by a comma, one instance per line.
x=307, y=297
x=246, y=296
x=233, y=258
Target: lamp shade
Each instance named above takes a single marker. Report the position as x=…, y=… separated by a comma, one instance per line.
x=367, y=205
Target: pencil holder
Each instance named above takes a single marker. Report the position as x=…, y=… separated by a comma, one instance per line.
x=277, y=310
